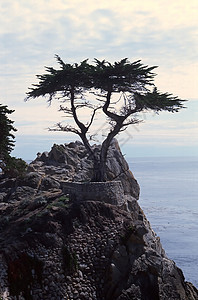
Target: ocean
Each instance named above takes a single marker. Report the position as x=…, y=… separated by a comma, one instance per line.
x=169, y=198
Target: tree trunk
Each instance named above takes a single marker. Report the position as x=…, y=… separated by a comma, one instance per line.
x=103, y=159
x=97, y=171
x=104, y=151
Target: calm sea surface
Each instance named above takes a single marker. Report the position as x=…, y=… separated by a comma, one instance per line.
x=169, y=198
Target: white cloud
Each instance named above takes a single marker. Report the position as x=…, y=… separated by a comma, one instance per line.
x=159, y=32
x=23, y=16
x=181, y=80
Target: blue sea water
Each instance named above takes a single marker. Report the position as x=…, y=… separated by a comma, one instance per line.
x=169, y=198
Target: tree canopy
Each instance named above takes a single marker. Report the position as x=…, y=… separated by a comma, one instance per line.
x=132, y=83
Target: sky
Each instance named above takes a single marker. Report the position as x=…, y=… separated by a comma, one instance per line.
x=159, y=32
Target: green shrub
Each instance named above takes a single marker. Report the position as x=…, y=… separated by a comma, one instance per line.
x=14, y=167
x=63, y=202
x=64, y=198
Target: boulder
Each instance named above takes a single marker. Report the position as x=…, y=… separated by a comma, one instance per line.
x=49, y=183
x=31, y=179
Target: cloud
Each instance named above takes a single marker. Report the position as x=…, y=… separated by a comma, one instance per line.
x=181, y=80
x=157, y=32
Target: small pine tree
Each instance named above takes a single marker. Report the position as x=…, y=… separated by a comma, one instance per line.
x=6, y=137
x=11, y=166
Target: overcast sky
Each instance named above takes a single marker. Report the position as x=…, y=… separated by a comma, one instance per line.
x=159, y=32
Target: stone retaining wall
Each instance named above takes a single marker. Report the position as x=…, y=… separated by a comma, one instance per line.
x=110, y=192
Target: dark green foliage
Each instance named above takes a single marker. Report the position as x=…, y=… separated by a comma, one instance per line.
x=11, y=166
x=121, y=76
x=70, y=263
x=21, y=277
x=62, y=202
x=14, y=167
x=76, y=75
x=157, y=101
x=6, y=127
x=64, y=199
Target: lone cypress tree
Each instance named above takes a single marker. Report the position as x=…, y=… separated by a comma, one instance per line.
x=75, y=85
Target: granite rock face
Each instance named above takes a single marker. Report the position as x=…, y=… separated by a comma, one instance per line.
x=72, y=162
x=54, y=248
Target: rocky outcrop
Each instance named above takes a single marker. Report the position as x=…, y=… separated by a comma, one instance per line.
x=72, y=162
x=54, y=248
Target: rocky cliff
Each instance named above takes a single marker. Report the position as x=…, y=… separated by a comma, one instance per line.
x=55, y=247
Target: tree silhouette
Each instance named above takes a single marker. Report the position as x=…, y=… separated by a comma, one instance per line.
x=6, y=137
x=121, y=90
x=11, y=166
